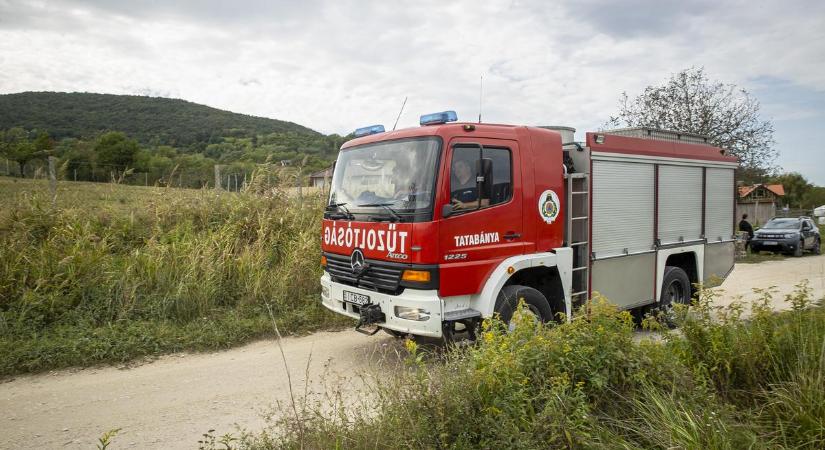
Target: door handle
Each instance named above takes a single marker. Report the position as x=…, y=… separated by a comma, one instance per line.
x=512, y=235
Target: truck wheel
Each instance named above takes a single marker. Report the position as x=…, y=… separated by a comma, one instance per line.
x=536, y=303
x=800, y=248
x=675, y=288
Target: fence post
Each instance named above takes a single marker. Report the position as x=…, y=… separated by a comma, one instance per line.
x=218, y=177
x=146, y=178
x=298, y=185
x=53, y=180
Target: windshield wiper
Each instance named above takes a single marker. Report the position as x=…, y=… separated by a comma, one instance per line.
x=386, y=206
x=341, y=207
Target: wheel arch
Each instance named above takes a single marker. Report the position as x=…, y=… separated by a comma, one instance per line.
x=546, y=280
x=689, y=258
x=557, y=265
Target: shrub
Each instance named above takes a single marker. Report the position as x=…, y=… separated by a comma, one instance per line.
x=77, y=282
x=724, y=380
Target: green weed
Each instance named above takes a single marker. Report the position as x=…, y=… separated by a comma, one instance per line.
x=728, y=378
x=176, y=270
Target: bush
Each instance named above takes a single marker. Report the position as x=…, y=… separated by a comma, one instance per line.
x=722, y=381
x=81, y=285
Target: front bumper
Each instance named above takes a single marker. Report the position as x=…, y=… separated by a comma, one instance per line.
x=785, y=245
x=332, y=296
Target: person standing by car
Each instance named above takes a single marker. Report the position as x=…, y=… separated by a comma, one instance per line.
x=745, y=226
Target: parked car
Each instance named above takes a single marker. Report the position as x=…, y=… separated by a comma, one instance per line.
x=789, y=235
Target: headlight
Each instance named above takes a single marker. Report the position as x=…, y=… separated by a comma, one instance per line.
x=417, y=314
x=790, y=235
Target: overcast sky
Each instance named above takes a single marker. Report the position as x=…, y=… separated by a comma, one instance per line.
x=337, y=65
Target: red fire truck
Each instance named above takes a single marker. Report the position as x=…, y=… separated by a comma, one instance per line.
x=428, y=230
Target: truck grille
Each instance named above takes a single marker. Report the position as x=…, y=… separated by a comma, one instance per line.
x=379, y=275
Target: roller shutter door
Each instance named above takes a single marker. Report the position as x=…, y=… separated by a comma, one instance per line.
x=622, y=208
x=680, y=204
x=719, y=205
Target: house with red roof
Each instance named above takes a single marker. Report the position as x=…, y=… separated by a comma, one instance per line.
x=759, y=202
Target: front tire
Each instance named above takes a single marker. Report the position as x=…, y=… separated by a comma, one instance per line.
x=799, y=249
x=817, y=250
x=536, y=303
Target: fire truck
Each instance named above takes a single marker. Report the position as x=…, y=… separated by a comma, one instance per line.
x=429, y=230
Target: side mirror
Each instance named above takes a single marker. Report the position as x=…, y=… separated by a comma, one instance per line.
x=447, y=210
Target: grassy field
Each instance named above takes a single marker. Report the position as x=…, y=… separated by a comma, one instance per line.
x=114, y=272
x=719, y=382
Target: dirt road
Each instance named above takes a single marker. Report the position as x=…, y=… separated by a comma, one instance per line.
x=170, y=402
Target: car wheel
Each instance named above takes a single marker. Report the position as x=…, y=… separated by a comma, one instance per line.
x=800, y=248
x=675, y=289
x=817, y=247
x=536, y=303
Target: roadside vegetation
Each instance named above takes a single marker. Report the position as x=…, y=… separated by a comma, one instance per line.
x=111, y=273
x=733, y=377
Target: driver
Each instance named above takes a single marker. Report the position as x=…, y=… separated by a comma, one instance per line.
x=463, y=186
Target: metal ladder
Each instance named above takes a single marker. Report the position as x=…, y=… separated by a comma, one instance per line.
x=577, y=233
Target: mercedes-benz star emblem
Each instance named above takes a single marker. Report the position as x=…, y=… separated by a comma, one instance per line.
x=356, y=261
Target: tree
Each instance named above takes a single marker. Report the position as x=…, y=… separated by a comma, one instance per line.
x=692, y=103
x=115, y=151
x=16, y=146
x=796, y=188
x=815, y=197
x=43, y=144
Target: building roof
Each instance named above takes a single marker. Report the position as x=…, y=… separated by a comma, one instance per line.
x=777, y=189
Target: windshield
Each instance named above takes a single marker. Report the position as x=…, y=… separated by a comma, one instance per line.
x=782, y=224
x=392, y=180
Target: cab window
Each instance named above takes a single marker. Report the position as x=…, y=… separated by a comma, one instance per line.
x=480, y=178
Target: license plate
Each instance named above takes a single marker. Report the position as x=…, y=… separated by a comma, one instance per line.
x=771, y=243
x=354, y=297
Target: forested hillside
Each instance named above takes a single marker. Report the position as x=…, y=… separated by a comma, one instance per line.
x=147, y=140
x=149, y=120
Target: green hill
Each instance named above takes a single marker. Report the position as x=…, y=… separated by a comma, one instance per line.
x=149, y=120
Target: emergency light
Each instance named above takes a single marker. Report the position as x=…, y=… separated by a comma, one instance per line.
x=440, y=117
x=366, y=131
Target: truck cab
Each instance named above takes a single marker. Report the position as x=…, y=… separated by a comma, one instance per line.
x=428, y=230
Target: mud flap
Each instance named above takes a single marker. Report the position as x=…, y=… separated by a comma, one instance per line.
x=370, y=315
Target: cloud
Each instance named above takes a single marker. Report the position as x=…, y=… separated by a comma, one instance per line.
x=337, y=65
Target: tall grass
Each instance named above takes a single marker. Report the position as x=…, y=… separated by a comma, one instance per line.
x=721, y=381
x=80, y=285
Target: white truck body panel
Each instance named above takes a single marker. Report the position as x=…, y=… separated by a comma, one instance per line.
x=680, y=204
x=719, y=205
x=622, y=208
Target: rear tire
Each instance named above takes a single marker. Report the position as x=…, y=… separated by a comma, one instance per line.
x=817, y=247
x=535, y=301
x=675, y=288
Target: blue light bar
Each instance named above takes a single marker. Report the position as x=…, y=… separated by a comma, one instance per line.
x=366, y=131
x=441, y=117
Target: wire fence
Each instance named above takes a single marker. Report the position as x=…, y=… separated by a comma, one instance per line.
x=224, y=177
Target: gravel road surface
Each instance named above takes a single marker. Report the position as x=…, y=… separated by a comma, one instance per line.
x=172, y=401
